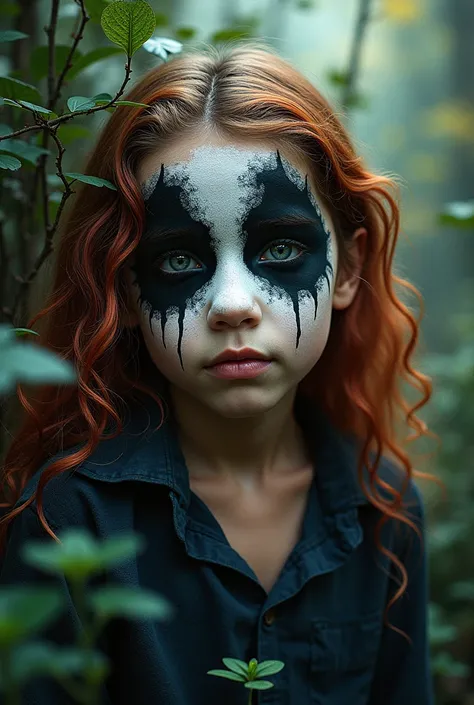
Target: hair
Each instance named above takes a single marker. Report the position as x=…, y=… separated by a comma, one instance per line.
x=241, y=91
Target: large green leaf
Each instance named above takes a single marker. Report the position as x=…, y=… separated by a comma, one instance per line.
x=18, y=90
x=128, y=24
x=236, y=665
x=45, y=658
x=8, y=162
x=117, y=601
x=259, y=685
x=24, y=610
x=79, y=102
x=11, y=35
x=23, y=362
x=39, y=61
x=92, y=57
x=30, y=152
x=92, y=180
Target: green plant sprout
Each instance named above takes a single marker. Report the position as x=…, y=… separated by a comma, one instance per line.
x=249, y=673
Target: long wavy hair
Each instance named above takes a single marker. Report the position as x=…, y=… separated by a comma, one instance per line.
x=242, y=91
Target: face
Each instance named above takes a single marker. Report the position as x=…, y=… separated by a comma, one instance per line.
x=236, y=252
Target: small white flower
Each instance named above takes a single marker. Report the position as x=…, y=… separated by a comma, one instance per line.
x=162, y=47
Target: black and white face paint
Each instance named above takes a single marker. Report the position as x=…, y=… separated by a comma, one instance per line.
x=231, y=223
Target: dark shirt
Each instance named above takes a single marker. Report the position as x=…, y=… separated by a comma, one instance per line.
x=324, y=616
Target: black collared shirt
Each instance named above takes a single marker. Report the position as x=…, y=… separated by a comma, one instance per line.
x=323, y=617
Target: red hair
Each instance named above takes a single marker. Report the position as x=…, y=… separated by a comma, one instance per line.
x=242, y=92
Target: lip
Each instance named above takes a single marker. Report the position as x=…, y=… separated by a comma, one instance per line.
x=231, y=355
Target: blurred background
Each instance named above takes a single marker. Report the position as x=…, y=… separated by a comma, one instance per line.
x=400, y=73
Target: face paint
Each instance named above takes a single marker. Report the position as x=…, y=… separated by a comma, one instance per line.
x=215, y=217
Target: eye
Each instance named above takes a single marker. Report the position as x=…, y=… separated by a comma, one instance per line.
x=280, y=251
x=177, y=262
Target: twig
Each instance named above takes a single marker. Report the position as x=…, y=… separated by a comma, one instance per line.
x=355, y=54
x=51, y=32
x=50, y=228
x=68, y=63
x=64, y=118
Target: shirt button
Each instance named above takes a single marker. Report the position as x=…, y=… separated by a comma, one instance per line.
x=269, y=617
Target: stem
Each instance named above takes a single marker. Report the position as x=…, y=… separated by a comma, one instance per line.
x=250, y=696
x=356, y=51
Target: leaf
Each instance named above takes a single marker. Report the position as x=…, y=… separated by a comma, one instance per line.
x=162, y=47
x=269, y=668
x=8, y=162
x=79, y=102
x=18, y=90
x=259, y=685
x=26, y=105
x=130, y=603
x=128, y=24
x=30, y=363
x=24, y=610
x=132, y=103
x=92, y=180
x=225, y=35
x=45, y=658
x=186, y=32
x=161, y=20
x=20, y=148
x=338, y=78
x=95, y=9
x=102, y=97
x=69, y=133
x=120, y=548
x=9, y=9
x=11, y=35
x=92, y=57
x=237, y=666
x=39, y=61
x=230, y=675
x=458, y=213
x=24, y=331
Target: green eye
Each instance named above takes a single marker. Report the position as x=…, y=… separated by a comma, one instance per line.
x=281, y=251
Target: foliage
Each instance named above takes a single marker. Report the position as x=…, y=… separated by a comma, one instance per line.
x=250, y=674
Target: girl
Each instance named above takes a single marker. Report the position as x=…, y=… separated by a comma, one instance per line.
x=232, y=314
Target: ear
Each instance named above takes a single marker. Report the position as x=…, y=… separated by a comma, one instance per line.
x=347, y=283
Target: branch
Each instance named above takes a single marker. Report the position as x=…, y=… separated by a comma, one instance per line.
x=356, y=50
x=68, y=64
x=64, y=118
x=51, y=32
x=50, y=229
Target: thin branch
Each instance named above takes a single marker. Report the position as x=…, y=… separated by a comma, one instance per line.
x=51, y=229
x=64, y=118
x=84, y=18
x=51, y=32
x=356, y=51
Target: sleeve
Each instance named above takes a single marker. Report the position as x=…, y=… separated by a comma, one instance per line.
x=63, y=630
x=403, y=675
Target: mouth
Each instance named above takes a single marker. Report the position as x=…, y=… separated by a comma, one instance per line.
x=243, y=364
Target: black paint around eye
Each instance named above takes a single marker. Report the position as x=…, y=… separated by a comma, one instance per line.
x=315, y=265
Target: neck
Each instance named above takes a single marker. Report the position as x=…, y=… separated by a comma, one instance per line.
x=252, y=447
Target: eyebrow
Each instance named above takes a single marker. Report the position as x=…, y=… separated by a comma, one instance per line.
x=289, y=220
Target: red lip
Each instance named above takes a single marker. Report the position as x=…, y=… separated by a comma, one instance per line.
x=242, y=354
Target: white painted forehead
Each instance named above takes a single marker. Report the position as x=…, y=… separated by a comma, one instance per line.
x=219, y=184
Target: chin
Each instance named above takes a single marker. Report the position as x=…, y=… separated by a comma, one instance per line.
x=243, y=403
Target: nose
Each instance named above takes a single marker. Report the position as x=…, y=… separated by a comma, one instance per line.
x=233, y=306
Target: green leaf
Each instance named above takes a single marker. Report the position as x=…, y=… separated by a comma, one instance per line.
x=132, y=103
x=44, y=658
x=186, y=32
x=18, y=90
x=92, y=180
x=20, y=148
x=130, y=603
x=69, y=133
x=26, y=105
x=225, y=35
x=95, y=9
x=128, y=24
x=11, y=35
x=161, y=20
x=24, y=331
x=269, y=668
x=8, y=162
x=235, y=665
x=24, y=610
x=92, y=57
x=259, y=685
x=459, y=213
x=230, y=675
x=9, y=9
x=118, y=549
x=39, y=61
x=79, y=102
x=338, y=78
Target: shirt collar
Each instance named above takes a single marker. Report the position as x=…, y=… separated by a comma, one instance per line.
x=149, y=452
